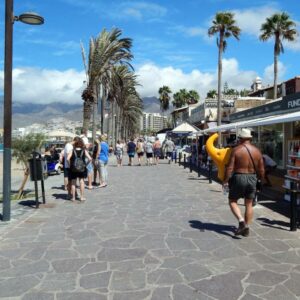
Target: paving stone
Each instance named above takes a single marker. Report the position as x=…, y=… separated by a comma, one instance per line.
x=15, y=287
x=121, y=254
x=54, y=254
x=80, y=296
x=4, y=264
x=180, y=244
x=150, y=241
x=95, y=281
x=127, y=266
x=254, y=289
x=121, y=242
x=136, y=295
x=38, y=296
x=181, y=292
x=69, y=265
x=59, y=282
x=293, y=284
x=127, y=281
x=41, y=266
x=175, y=262
x=161, y=293
x=193, y=272
x=92, y=268
x=275, y=245
x=279, y=293
x=250, y=297
x=82, y=235
x=217, y=286
x=266, y=278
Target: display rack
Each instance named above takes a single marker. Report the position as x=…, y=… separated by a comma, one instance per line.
x=292, y=178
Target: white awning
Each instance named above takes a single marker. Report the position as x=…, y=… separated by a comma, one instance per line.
x=185, y=128
x=284, y=118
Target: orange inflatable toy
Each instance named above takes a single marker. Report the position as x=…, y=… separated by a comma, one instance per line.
x=219, y=156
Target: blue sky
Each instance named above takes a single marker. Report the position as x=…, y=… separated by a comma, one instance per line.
x=170, y=45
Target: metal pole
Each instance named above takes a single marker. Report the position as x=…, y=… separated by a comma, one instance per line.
x=191, y=166
x=210, y=170
x=7, y=109
x=34, y=169
x=293, y=220
x=184, y=161
x=199, y=169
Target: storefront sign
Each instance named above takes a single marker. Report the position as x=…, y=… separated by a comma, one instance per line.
x=287, y=104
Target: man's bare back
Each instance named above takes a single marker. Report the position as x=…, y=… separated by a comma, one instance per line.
x=240, y=161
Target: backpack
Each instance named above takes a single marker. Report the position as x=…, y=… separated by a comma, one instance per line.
x=78, y=163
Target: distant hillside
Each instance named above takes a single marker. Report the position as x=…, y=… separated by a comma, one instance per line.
x=25, y=114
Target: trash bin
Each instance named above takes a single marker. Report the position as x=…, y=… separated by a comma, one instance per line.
x=39, y=166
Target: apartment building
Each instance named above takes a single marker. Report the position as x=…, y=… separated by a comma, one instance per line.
x=153, y=122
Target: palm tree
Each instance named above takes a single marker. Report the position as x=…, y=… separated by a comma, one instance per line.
x=281, y=27
x=224, y=25
x=164, y=98
x=107, y=50
x=180, y=98
x=192, y=97
x=211, y=94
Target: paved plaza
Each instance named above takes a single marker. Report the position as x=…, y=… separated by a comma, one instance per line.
x=154, y=233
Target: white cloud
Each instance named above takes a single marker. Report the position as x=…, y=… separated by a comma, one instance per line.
x=269, y=73
x=32, y=85
x=250, y=20
x=153, y=77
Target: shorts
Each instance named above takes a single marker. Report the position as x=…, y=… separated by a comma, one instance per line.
x=75, y=175
x=157, y=152
x=131, y=154
x=119, y=155
x=149, y=155
x=66, y=172
x=242, y=186
x=140, y=154
x=90, y=168
x=169, y=154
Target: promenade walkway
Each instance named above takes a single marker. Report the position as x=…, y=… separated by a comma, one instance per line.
x=154, y=233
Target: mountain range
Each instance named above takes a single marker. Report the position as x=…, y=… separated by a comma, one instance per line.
x=25, y=114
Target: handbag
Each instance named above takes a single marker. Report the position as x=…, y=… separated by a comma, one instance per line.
x=258, y=182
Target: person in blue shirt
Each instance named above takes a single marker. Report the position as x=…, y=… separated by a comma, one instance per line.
x=103, y=160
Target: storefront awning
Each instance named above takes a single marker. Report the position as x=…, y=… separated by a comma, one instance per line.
x=284, y=118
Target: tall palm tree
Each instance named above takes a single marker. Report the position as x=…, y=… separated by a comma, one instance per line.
x=164, y=98
x=180, y=98
x=281, y=27
x=192, y=97
x=107, y=50
x=224, y=25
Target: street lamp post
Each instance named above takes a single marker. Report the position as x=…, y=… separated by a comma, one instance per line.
x=27, y=18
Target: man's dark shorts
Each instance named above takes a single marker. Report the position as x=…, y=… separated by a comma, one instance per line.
x=67, y=173
x=242, y=186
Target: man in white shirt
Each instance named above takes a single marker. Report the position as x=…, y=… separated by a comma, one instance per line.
x=63, y=159
x=89, y=166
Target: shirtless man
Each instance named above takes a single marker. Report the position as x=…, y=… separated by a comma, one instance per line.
x=243, y=178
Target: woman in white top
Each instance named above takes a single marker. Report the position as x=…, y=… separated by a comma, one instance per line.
x=119, y=149
x=140, y=151
x=149, y=153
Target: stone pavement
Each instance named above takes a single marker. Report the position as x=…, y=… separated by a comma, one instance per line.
x=154, y=233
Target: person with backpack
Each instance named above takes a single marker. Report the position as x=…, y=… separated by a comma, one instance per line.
x=77, y=162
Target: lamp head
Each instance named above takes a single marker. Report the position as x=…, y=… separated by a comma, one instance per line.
x=30, y=18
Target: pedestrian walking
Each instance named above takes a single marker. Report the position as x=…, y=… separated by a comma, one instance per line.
x=89, y=165
x=149, y=152
x=243, y=171
x=169, y=147
x=119, y=151
x=95, y=154
x=157, y=150
x=77, y=159
x=131, y=148
x=140, y=150
x=66, y=166
x=103, y=160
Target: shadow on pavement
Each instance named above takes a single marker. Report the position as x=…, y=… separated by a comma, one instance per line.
x=218, y=228
x=275, y=224
x=60, y=196
x=29, y=203
x=62, y=187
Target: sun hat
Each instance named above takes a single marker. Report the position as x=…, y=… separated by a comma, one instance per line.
x=245, y=133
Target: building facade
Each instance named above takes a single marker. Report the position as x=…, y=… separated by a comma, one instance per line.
x=152, y=122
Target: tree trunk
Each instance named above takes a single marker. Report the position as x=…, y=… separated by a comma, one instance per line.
x=86, y=114
x=102, y=110
x=275, y=72
x=219, y=111
x=21, y=189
